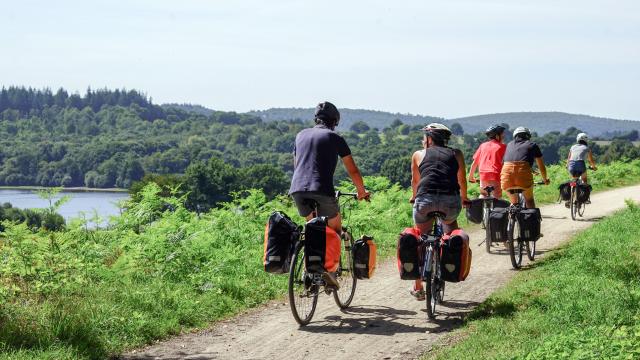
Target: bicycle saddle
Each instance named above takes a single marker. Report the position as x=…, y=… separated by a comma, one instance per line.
x=436, y=214
x=515, y=191
x=489, y=188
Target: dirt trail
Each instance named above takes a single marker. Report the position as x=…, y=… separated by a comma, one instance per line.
x=384, y=322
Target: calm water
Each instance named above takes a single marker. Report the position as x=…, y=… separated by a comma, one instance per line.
x=103, y=202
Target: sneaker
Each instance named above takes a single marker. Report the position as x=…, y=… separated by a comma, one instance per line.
x=418, y=294
x=330, y=280
x=588, y=202
x=567, y=204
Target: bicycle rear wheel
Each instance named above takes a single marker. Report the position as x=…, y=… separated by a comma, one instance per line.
x=581, y=207
x=487, y=227
x=515, y=245
x=303, y=293
x=574, y=203
x=431, y=287
x=345, y=275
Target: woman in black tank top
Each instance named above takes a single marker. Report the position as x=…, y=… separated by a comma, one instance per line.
x=438, y=172
x=439, y=183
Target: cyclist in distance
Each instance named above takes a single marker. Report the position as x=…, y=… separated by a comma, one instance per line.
x=438, y=183
x=316, y=154
x=578, y=153
x=518, y=163
x=488, y=160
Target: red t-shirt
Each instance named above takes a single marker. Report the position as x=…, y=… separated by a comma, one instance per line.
x=489, y=159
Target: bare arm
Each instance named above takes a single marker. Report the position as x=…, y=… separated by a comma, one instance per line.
x=592, y=161
x=462, y=176
x=356, y=177
x=472, y=171
x=415, y=174
x=543, y=169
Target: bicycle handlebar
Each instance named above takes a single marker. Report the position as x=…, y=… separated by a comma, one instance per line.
x=340, y=193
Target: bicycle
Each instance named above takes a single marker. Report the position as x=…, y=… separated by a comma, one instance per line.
x=304, y=287
x=431, y=271
x=577, y=207
x=514, y=209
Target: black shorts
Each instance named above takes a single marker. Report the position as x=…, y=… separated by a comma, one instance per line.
x=327, y=204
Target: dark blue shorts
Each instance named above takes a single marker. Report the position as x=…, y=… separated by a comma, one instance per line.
x=576, y=167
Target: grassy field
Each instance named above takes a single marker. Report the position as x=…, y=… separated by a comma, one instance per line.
x=580, y=302
x=91, y=294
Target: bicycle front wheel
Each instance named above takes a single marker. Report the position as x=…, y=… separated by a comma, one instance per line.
x=345, y=274
x=303, y=293
x=531, y=249
x=515, y=245
x=581, y=207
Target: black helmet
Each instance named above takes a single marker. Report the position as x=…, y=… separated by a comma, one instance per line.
x=438, y=132
x=494, y=130
x=328, y=114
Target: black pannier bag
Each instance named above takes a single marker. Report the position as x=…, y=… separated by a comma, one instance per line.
x=280, y=235
x=583, y=192
x=565, y=191
x=409, y=254
x=474, y=211
x=499, y=203
x=529, y=222
x=498, y=222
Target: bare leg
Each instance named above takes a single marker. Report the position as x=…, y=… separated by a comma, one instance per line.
x=584, y=177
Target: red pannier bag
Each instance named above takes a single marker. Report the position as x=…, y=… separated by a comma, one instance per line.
x=409, y=259
x=321, y=246
x=455, y=256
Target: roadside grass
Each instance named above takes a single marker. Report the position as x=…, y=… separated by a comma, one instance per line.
x=580, y=302
x=91, y=294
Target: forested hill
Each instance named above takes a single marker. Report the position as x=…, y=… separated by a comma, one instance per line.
x=545, y=122
x=374, y=119
x=113, y=138
x=541, y=122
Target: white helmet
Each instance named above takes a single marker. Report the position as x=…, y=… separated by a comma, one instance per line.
x=582, y=137
x=437, y=131
x=521, y=130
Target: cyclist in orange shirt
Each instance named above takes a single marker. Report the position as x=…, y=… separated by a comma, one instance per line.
x=488, y=160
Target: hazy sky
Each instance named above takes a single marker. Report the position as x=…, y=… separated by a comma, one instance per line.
x=444, y=58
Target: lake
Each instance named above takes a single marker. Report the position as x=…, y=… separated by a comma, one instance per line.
x=81, y=201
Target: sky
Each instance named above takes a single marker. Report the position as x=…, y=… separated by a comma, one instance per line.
x=448, y=58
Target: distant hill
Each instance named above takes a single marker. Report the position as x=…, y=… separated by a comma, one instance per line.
x=544, y=122
x=198, y=109
x=375, y=119
x=540, y=122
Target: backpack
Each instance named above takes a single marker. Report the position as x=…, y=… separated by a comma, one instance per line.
x=474, y=211
x=408, y=253
x=364, y=257
x=583, y=192
x=498, y=222
x=565, y=191
x=455, y=256
x=321, y=246
x=280, y=234
x=529, y=222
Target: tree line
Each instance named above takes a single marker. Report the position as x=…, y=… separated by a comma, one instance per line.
x=115, y=138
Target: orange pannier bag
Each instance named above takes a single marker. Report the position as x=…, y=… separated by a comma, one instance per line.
x=321, y=246
x=455, y=256
x=364, y=257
